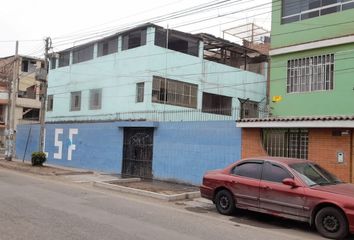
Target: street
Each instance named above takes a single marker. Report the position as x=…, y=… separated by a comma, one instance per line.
x=33, y=207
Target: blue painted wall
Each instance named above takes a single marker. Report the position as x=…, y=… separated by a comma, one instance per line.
x=183, y=151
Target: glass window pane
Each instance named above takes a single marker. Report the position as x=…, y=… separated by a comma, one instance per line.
x=274, y=173
x=250, y=170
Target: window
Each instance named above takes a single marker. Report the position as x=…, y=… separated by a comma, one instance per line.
x=50, y=102
x=75, y=104
x=140, y=92
x=249, y=169
x=95, y=99
x=53, y=63
x=297, y=10
x=134, y=39
x=286, y=142
x=107, y=46
x=310, y=74
x=28, y=65
x=218, y=104
x=30, y=114
x=64, y=59
x=249, y=109
x=24, y=65
x=82, y=54
x=177, y=41
x=274, y=173
x=174, y=92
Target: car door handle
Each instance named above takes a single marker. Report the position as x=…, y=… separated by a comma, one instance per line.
x=234, y=181
x=267, y=187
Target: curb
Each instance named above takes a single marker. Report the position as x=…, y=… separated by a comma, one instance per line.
x=165, y=197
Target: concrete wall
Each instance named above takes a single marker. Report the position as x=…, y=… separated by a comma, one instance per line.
x=118, y=73
x=182, y=151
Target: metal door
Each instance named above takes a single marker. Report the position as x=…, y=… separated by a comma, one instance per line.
x=137, y=152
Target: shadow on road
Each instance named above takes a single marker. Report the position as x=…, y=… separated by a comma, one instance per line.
x=261, y=220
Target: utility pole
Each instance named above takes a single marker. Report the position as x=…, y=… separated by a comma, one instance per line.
x=11, y=109
x=44, y=83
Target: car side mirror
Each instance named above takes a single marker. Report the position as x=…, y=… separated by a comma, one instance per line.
x=290, y=182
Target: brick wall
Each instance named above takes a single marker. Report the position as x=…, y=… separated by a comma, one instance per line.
x=323, y=148
x=252, y=143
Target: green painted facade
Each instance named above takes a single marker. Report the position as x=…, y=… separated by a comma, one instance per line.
x=340, y=100
x=309, y=30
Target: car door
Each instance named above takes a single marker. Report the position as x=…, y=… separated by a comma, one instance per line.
x=245, y=179
x=278, y=198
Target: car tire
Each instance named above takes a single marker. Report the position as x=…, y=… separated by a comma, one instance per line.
x=331, y=223
x=224, y=202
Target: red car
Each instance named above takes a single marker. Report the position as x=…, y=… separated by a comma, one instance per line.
x=290, y=188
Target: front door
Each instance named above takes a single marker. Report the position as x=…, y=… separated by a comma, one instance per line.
x=278, y=198
x=137, y=152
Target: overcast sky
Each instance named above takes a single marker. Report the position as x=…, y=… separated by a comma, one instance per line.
x=68, y=22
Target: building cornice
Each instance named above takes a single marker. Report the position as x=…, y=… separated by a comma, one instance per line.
x=312, y=45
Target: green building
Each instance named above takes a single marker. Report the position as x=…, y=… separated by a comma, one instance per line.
x=312, y=58
x=311, y=89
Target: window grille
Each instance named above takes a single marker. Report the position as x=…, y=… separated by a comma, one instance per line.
x=75, y=104
x=310, y=74
x=174, y=92
x=140, y=92
x=291, y=143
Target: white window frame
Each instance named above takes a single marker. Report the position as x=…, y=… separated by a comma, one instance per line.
x=311, y=74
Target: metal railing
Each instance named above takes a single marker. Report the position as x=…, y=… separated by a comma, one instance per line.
x=164, y=116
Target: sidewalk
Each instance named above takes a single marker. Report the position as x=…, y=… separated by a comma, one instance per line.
x=162, y=190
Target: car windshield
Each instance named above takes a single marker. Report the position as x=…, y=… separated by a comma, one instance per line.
x=313, y=174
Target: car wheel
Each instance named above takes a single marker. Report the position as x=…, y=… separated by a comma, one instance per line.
x=331, y=223
x=225, y=203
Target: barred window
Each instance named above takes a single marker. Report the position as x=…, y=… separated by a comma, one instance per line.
x=291, y=143
x=310, y=74
x=140, y=92
x=174, y=92
x=82, y=54
x=95, y=99
x=75, y=103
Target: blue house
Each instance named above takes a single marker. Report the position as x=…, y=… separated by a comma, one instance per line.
x=149, y=102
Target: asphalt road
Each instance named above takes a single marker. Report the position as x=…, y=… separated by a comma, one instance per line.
x=35, y=208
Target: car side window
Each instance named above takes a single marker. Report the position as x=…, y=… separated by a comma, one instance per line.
x=249, y=169
x=274, y=173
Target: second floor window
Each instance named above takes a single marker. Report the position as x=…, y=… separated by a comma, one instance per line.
x=75, y=103
x=50, y=103
x=174, y=92
x=140, y=92
x=310, y=74
x=95, y=99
